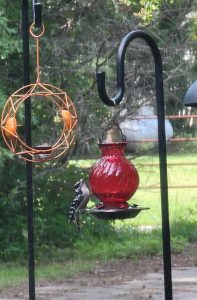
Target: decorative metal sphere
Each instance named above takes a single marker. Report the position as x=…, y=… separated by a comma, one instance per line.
x=54, y=105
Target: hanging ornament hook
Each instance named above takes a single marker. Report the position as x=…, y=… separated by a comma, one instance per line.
x=113, y=122
x=37, y=36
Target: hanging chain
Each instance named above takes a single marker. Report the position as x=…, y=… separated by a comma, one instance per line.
x=37, y=23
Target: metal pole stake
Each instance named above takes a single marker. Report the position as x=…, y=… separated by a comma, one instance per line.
x=26, y=71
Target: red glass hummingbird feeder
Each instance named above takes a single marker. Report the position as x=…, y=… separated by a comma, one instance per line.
x=114, y=180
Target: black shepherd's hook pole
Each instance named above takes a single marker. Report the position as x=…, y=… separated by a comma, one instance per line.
x=29, y=183
x=161, y=136
x=37, y=12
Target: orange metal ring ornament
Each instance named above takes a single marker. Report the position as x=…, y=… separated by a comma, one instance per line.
x=63, y=114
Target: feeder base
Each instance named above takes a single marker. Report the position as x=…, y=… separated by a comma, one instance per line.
x=116, y=213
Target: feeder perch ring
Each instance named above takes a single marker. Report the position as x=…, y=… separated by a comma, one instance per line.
x=63, y=108
x=114, y=214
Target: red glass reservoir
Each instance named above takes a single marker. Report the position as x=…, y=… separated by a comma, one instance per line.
x=113, y=179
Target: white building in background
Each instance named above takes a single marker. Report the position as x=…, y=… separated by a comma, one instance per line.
x=141, y=129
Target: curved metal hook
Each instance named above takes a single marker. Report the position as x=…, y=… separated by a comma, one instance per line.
x=120, y=67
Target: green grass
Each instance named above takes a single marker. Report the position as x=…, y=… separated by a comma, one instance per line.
x=13, y=275
x=182, y=201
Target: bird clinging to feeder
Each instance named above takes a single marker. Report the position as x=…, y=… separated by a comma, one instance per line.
x=79, y=202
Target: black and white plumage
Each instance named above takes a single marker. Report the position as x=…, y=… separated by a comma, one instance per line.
x=79, y=202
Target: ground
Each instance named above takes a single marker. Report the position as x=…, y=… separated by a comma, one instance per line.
x=122, y=280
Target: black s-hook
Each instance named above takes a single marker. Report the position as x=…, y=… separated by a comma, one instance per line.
x=120, y=67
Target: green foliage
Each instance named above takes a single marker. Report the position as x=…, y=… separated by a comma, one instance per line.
x=53, y=192
x=11, y=48
x=131, y=242
x=122, y=243
x=7, y=43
